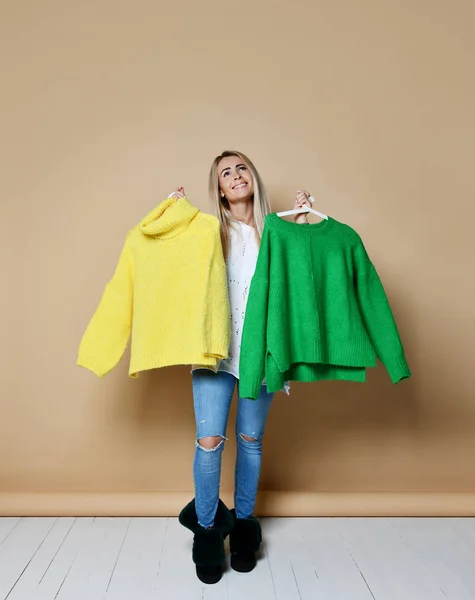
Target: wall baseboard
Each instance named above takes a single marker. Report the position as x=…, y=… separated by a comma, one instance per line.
x=272, y=504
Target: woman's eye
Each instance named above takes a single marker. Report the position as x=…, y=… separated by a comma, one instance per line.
x=242, y=168
x=226, y=174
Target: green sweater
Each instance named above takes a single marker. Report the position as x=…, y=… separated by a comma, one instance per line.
x=316, y=310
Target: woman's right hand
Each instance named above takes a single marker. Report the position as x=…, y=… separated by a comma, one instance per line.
x=178, y=193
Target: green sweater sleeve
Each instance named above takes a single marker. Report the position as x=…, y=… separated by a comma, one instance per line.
x=107, y=334
x=378, y=317
x=254, y=333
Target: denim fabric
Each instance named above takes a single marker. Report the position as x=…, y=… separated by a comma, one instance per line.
x=212, y=395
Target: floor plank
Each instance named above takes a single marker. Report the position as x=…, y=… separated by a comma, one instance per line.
x=335, y=566
x=290, y=561
x=391, y=568
x=91, y=571
x=19, y=548
x=138, y=565
x=62, y=562
x=432, y=551
x=7, y=525
x=27, y=585
x=456, y=553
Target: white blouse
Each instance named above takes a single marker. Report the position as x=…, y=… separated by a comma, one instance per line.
x=240, y=267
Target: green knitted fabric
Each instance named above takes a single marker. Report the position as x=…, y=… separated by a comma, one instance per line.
x=316, y=310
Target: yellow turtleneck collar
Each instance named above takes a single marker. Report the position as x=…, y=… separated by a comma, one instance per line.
x=169, y=218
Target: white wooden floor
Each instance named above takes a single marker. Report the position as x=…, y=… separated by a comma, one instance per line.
x=301, y=559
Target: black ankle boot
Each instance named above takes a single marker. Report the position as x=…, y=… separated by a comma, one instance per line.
x=244, y=542
x=208, y=544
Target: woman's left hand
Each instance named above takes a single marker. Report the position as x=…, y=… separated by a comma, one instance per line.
x=302, y=199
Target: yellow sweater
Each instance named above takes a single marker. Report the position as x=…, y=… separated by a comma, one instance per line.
x=169, y=292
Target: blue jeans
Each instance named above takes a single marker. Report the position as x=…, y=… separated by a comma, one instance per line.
x=212, y=395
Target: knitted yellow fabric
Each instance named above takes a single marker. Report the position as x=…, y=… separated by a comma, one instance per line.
x=168, y=292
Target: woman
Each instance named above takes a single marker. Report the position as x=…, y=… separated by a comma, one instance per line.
x=242, y=205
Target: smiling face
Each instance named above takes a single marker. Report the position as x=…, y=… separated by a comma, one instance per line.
x=235, y=179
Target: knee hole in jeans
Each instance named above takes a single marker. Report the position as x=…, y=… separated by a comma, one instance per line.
x=248, y=438
x=210, y=442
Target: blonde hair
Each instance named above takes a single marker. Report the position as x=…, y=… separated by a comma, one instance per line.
x=261, y=204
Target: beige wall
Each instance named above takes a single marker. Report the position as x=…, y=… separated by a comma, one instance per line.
x=106, y=107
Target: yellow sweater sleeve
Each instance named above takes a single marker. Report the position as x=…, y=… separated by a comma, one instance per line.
x=105, y=339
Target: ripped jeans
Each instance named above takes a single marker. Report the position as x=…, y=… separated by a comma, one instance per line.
x=212, y=395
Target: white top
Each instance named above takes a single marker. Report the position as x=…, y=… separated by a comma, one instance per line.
x=240, y=267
